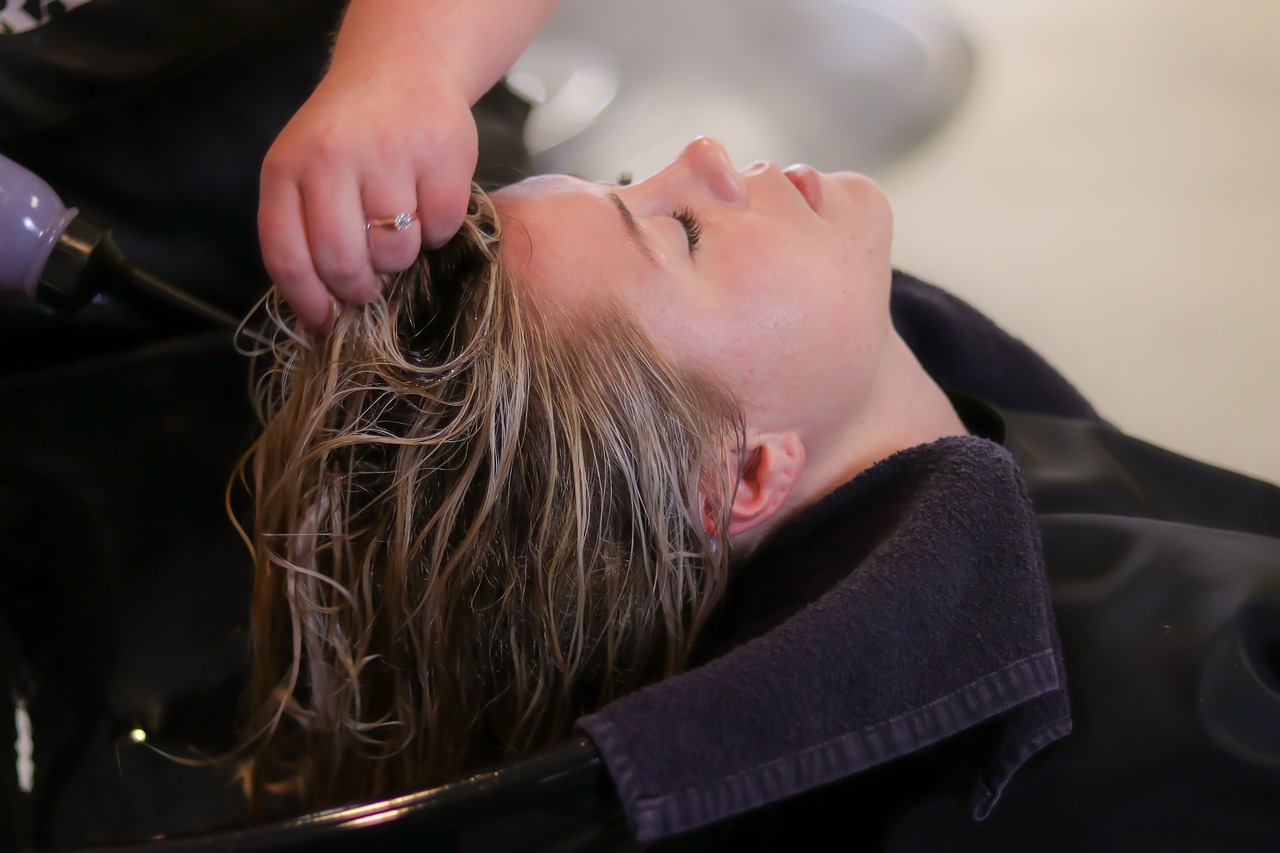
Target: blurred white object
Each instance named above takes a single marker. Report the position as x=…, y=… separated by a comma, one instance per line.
x=838, y=84
x=1111, y=194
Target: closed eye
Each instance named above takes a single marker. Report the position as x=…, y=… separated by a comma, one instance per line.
x=692, y=228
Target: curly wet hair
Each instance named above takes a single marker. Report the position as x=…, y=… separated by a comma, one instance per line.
x=474, y=520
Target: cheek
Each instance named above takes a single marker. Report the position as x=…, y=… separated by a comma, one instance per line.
x=795, y=298
x=775, y=321
x=822, y=320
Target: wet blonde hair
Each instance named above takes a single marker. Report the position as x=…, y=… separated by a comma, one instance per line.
x=471, y=526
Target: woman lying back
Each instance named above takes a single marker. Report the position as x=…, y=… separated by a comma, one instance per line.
x=510, y=491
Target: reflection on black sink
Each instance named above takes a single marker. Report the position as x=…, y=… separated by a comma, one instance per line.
x=123, y=598
x=124, y=588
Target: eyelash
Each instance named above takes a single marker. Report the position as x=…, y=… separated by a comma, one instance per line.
x=692, y=228
x=685, y=216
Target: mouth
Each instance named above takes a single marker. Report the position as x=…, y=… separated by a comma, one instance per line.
x=808, y=181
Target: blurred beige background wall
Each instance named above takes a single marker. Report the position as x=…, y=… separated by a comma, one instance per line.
x=1110, y=192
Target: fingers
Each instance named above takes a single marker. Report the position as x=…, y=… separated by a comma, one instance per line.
x=348, y=156
x=287, y=252
x=444, y=184
x=317, y=247
x=334, y=213
x=442, y=210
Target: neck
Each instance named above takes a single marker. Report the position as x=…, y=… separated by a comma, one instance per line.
x=905, y=408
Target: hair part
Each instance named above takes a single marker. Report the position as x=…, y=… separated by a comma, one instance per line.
x=471, y=526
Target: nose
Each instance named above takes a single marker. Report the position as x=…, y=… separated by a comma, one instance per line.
x=705, y=161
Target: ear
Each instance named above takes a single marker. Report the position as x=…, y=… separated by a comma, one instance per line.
x=771, y=466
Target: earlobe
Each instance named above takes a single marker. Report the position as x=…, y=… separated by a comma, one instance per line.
x=771, y=467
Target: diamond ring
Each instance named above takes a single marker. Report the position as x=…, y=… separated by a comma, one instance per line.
x=399, y=222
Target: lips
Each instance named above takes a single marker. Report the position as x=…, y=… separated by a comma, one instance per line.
x=808, y=181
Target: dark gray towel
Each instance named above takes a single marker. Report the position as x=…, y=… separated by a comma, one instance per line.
x=905, y=608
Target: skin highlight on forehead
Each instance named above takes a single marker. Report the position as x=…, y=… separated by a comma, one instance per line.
x=558, y=235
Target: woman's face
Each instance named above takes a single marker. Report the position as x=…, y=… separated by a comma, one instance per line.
x=776, y=282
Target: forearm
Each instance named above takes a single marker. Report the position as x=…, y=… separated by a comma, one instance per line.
x=476, y=41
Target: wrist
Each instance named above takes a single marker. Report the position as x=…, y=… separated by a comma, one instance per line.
x=469, y=43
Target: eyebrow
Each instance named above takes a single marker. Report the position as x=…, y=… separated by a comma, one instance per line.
x=633, y=228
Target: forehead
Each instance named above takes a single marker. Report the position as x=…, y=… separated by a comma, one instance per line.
x=566, y=240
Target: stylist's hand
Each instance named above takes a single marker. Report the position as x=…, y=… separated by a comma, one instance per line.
x=375, y=139
x=388, y=131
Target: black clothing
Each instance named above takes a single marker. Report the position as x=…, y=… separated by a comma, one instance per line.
x=962, y=349
x=1166, y=582
x=153, y=117
x=1165, y=577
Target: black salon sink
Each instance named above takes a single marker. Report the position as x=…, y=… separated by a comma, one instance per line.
x=123, y=602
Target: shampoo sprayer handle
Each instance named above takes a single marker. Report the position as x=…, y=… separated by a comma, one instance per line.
x=32, y=220
x=54, y=255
